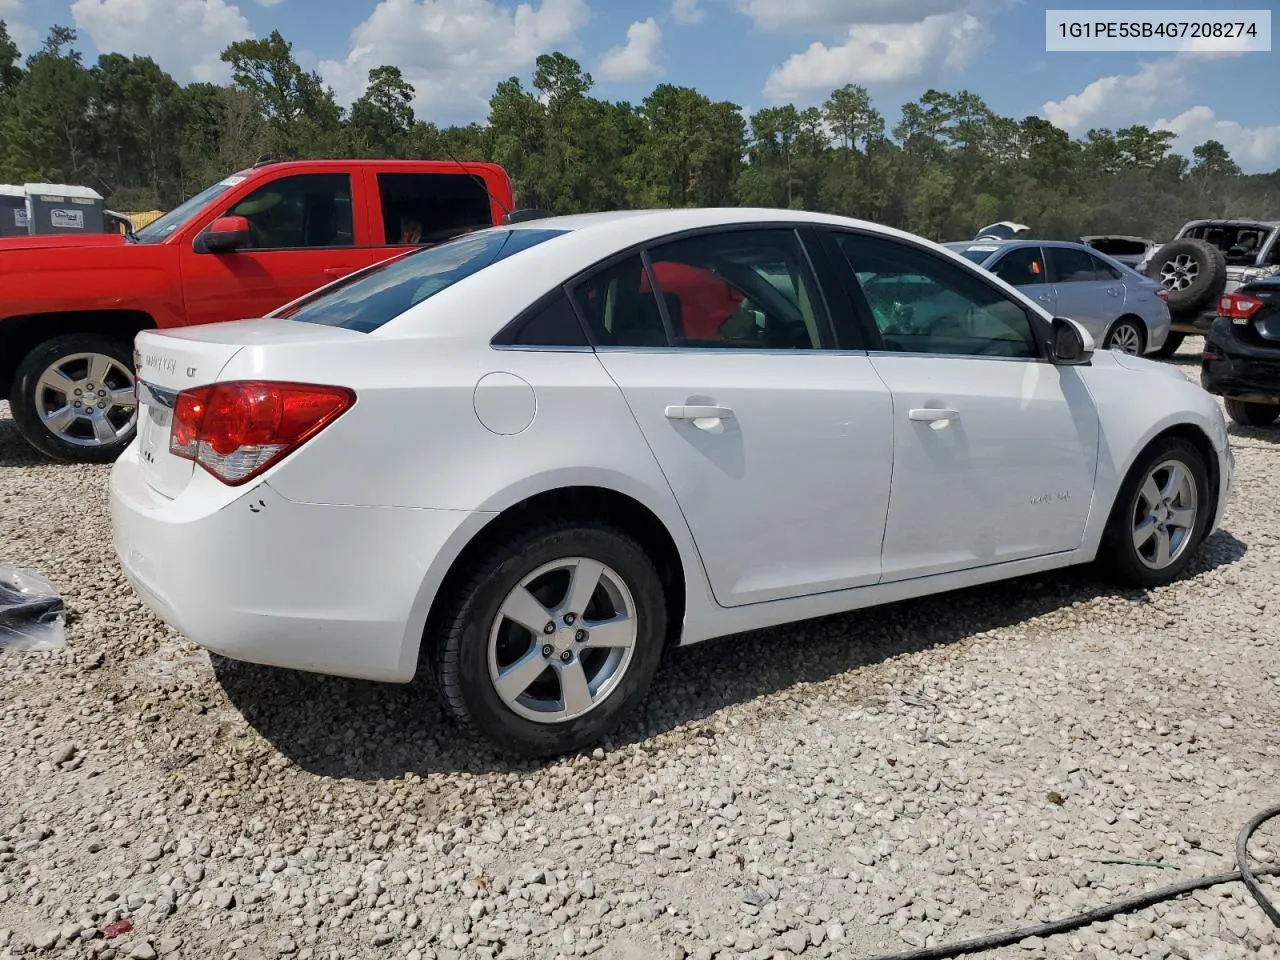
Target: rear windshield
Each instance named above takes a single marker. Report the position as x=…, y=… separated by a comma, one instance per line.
x=977, y=254
x=367, y=300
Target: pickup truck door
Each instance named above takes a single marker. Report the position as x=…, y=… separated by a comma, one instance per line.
x=307, y=230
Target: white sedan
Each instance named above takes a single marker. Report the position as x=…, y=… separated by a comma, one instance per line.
x=531, y=458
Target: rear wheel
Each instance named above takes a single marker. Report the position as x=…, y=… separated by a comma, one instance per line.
x=73, y=397
x=1170, y=345
x=1159, y=516
x=554, y=639
x=1252, y=414
x=1128, y=336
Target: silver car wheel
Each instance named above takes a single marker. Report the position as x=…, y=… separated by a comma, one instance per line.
x=1180, y=272
x=1165, y=514
x=562, y=640
x=1126, y=338
x=87, y=399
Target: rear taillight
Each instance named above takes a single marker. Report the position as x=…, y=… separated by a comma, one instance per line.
x=1163, y=294
x=1237, y=306
x=238, y=429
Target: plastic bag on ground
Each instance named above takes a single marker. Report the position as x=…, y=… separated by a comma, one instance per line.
x=32, y=614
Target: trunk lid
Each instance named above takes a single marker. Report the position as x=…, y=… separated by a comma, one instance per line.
x=170, y=361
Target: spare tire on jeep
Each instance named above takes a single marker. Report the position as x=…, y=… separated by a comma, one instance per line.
x=1194, y=272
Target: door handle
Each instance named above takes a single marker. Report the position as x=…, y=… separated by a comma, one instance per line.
x=337, y=272
x=1113, y=291
x=1044, y=298
x=933, y=414
x=698, y=413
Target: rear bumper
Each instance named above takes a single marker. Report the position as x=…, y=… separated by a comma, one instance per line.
x=329, y=589
x=1237, y=370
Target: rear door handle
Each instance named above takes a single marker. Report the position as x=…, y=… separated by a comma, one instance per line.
x=933, y=415
x=698, y=413
x=1044, y=298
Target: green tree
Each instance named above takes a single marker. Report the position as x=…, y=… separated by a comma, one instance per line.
x=382, y=119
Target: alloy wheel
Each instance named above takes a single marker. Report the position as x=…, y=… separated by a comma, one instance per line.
x=562, y=640
x=87, y=399
x=1165, y=514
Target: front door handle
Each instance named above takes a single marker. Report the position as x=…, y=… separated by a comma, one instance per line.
x=933, y=414
x=337, y=272
x=690, y=412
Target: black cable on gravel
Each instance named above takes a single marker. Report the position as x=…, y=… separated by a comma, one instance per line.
x=1244, y=873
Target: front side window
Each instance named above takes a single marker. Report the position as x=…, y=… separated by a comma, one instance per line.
x=1022, y=267
x=924, y=304
x=298, y=212
x=1068, y=265
x=368, y=299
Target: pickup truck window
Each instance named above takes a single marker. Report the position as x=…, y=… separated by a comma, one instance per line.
x=307, y=210
x=366, y=300
x=430, y=207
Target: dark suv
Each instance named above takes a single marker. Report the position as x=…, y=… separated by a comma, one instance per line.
x=1241, y=360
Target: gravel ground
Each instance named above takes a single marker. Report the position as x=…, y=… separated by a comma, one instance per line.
x=856, y=786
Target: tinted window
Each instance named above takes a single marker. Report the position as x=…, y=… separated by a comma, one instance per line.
x=978, y=255
x=1105, y=271
x=161, y=227
x=553, y=324
x=924, y=304
x=620, y=308
x=1068, y=265
x=744, y=289
x=309, y=210
x=430, y=207
x=1021, y=267
x=365, y=301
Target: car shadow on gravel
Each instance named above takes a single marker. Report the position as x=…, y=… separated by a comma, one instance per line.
x=14, y=451
x=334, y=727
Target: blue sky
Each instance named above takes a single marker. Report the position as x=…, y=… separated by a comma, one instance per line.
x=753, y=52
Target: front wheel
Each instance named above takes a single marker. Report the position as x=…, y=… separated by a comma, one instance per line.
x=553, y=640
x=1127, y=336
x=1159, y=516
x=1252, y=414
x=73, y=397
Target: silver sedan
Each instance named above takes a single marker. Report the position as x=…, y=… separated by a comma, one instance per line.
x=1122, y=309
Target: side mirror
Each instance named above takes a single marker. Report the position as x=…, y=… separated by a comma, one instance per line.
x=227, y=234
x=1069, y=343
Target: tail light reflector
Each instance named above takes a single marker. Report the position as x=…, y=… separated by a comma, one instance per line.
x=1237, y=306
x=1163, y=294
x=236, y=430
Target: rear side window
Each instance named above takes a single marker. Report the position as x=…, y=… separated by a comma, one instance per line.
x=1068, y=265
x=430, y=207
x=366, y=301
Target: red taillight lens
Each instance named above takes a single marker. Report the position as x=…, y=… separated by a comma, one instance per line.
x=1163, y=294
x=237, y=430
x=1236, y=306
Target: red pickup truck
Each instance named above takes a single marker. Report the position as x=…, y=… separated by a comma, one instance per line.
x=71, y=305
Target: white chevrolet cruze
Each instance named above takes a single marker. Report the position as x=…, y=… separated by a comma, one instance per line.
x=533, y=457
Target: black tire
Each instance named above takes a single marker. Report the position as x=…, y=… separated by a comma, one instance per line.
x=1117, y=553
x=1207, y=283
x=1138, y=328
x=23, y=400
x=1170, y=345
x=461, y=641
x=1252, y=414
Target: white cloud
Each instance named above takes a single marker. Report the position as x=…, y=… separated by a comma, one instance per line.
x=1255, y=149
x=878, y=53
x=687, y=11
x=453, y=51
x=185, y=37
x=270, y=3
x=804, y=14
x=21, y=34
x=641, y=56
x=1120, y=99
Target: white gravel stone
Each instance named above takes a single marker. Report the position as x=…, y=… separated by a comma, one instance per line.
x=927, y=772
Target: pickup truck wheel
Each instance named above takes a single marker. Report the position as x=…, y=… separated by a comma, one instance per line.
x=73, y=398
